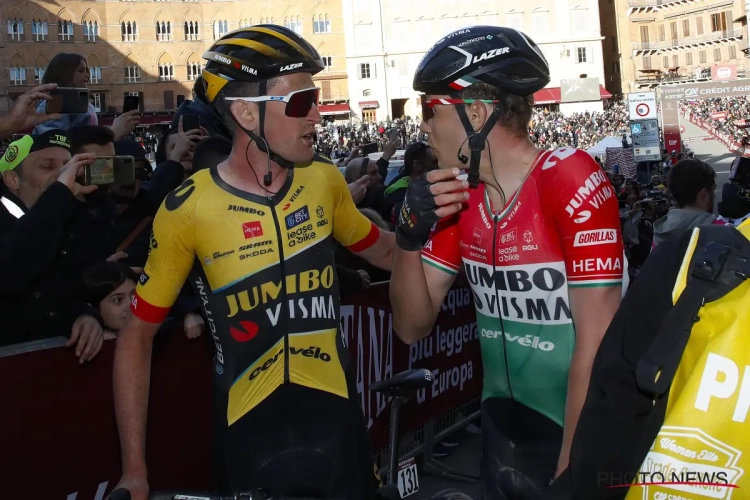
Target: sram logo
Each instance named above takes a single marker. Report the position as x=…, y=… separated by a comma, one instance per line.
x=490, y=54
x=595, y=237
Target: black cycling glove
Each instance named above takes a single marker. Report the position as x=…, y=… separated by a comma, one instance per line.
x=417, y=215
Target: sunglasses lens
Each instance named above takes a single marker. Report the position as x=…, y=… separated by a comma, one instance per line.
x=301, y=103
x=427, y=113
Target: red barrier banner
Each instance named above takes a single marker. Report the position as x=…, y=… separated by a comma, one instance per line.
x=451, y=352
x=719, y=115
x=723, y=72
x=57, y=427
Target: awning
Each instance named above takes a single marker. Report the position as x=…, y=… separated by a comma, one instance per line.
x=551, y=95
x=369, y=104
x=333, y=109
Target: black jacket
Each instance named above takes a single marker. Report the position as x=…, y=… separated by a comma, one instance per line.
x=42, y=256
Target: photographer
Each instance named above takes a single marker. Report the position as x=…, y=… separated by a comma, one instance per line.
x=735, y=194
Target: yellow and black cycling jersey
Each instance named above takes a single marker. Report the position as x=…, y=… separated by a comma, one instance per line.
x=265, y=276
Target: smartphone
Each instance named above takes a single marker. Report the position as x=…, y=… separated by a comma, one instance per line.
x=131, y=102
x=190, y=122
x=369, y=148
x=68, y=100
x=110, y=171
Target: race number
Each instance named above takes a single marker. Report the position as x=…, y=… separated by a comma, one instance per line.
x=408, y=481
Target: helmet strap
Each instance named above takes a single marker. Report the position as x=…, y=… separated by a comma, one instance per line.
x=260, y=139
x=477, y=141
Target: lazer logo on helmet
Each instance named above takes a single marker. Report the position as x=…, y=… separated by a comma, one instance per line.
x=223, y=59
x=290, y=66
x=491, y=54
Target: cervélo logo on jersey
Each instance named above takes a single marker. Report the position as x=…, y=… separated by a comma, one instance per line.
x=529, y=293
x=595, y=237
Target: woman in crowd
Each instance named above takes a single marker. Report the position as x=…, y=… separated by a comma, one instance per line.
x=72, y=70
x=109, y=287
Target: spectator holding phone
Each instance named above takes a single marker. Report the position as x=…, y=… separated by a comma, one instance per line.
x=23, y=115
x=45, y=244
x=68, y=70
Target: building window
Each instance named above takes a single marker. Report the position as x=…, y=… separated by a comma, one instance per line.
x=95, y=74
x=686, y=27
x=582, y=55
x=364, y=71
x=90, y=31
x=97, y=98
x=366, y=93
x=267, y=20
x=221, y=28
x=294, y=23
x=321, y=24
x=38, y=75
x=675, y=61
x=15, y=29
x=717, y=54
x=702, y=56
x=673, y=31
x=132, y=74
x=328, y=61
x=578, y=18
x=665, y=62
x=719, y=22
x=698, y=25
x=616, y=67
x=39, y=30
x=17, y=76
x=614, y=44
x=65, y=30
x=514, y=21
x=732, y=52
x=129, y=31
x=194, y=71
x=163, y=31
x=191, y=30
x=644, y=34
x=646, y=63
x=689, y=59
x=166, y=73
x=662, y=32
x=540, y=23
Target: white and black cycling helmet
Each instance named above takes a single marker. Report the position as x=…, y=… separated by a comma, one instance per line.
x=502, y=57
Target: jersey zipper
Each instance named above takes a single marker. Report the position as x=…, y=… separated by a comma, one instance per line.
x=285, y=303
x=499, y=302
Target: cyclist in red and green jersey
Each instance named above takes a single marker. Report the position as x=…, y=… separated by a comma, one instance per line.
x=545, y=262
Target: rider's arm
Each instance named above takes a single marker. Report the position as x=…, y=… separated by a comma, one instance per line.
x=594, y=259
x=354, y=230
x=170, y=259
x=420, y=281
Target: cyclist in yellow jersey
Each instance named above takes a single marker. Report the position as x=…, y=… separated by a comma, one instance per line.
x=257, y=231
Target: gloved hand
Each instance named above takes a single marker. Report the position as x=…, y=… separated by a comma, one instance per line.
x=417, y=215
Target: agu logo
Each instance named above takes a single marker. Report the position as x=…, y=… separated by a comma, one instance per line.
x=11, y=154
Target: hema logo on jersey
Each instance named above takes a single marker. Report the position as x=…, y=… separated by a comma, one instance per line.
x=595, y=237
x=532, y=293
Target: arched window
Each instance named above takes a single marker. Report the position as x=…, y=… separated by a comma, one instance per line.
x=191, y=30
x=15, y=29
x=90, y=31
x=129, y=31
x=221, y=28
x=39, y=30
x=65, y=30
x=321, y=24
x=166, y=72
x=366, y=93
x=17, y=69
x=194, y=67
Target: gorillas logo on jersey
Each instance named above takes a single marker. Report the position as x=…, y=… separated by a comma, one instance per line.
x=176, y=198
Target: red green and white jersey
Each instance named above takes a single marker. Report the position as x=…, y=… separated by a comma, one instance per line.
x=560, y=230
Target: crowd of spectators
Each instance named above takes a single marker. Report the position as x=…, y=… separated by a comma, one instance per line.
x=552, y=129
x=733, y=126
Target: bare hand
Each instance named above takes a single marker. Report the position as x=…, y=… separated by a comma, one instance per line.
x=353, y=155
x=450, y=193
x=24, y=115
x=136, y=485
x=390, y=147
x=365, y=278
x=87, y=335
x=193, y=325
x=116, y=257
x=358, y=188
x=126, y=123
x=74, y=169
x=186, y=142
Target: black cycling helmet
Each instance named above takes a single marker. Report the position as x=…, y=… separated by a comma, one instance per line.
x=256, y=54
x=502, y=57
